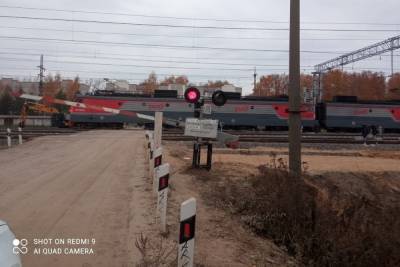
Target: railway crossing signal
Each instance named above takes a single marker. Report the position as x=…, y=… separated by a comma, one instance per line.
x=193, y=96
x=198, y=127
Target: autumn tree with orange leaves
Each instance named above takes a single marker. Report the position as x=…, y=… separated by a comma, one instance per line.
x=183, y=80
x=277, y=84
x=150, y=84
x=72, y=89
x=393, y=86
x=52, y=85
x=365, y=85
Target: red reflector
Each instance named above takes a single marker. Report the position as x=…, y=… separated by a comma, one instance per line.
x=157, y=161
x=186, y=230
x=163, y=182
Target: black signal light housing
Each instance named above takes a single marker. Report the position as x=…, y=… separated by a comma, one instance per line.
x=219, y=98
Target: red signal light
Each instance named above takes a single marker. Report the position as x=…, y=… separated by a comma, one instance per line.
x=192, y=95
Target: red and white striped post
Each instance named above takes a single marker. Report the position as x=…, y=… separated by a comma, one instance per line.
x=157, y=161
x=187, y=233
x=162, y=196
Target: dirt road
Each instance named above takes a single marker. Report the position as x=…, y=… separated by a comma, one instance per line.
x=89, y=187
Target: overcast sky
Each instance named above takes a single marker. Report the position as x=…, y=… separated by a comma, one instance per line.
x=199, y=47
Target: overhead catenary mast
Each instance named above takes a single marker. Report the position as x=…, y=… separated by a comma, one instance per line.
x=388, y=45
x=255, y=82
x=41, y=75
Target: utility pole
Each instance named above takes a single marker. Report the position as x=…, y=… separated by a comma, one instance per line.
x=255, y=82
x=294, y=91
x=41, y=75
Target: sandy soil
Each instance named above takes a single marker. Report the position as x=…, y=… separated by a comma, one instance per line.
x=319, y=161
x=371, y=174
x=220, y=239
x=88, y=185
x=95, y=185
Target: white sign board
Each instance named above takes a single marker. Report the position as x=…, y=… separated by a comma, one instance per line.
x=201, y=128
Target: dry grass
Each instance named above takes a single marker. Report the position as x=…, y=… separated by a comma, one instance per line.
x=156, y=253
x=316, y=221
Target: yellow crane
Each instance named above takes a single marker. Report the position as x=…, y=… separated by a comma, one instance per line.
x=35, y=107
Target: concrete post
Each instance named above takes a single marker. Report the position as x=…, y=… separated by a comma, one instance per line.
x=158, y=129
x=20, y=135
x=294, y=91
x=9, y=137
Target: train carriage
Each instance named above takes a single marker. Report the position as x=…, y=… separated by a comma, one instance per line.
x=237, y=113
x=355, y=115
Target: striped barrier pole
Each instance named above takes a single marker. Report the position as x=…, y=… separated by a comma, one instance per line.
x=228, y=139
x=9, y=137
x=162, y=196
x=20, y=135
x=187, y=233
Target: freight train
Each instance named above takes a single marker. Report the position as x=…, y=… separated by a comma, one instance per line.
x=263, y=113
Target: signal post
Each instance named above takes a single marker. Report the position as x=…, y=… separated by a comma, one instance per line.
x=203, y=129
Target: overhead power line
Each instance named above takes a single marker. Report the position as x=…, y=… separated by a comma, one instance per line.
x=184, y=36
x=128, y=56
x=250, y=65
x=192, y=26
x=195, y=18
x=163, y=45
x=141, y=73
x=139, y=66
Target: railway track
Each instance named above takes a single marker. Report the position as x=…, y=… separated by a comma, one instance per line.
x=282, y=137
x=32, y=132
x=244, y=136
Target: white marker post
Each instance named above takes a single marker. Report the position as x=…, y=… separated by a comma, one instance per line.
x=186, y=233
x=162, y=198
x=157, y=161
x=8, y=137
x=158, y=129
x=20, y=135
